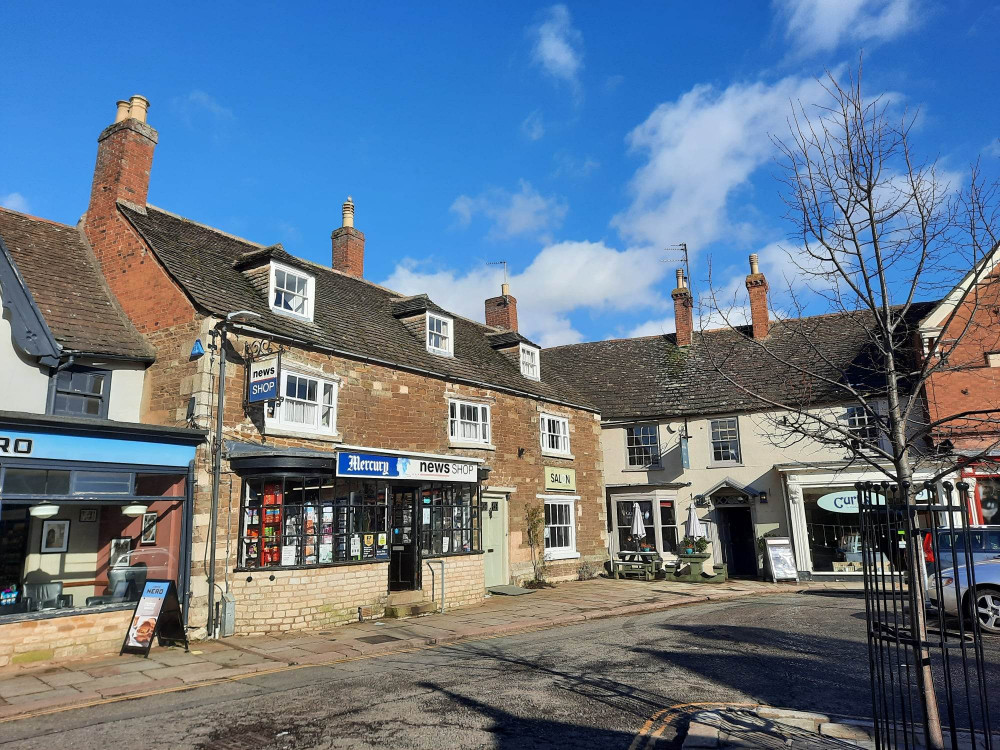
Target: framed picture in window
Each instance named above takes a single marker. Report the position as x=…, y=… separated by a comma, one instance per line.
x=121, y=551
x=148, y=529
x=55, y=536
x=88, y=515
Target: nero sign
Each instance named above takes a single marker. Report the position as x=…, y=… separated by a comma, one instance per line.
x=399, y=467
x=262, y=380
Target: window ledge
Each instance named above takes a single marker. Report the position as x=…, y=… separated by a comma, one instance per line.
x=472, y=446
x=326, y=437
x=724, y=464
x=290, y=315
x=562, y=555
x=643, y=468
x=551, y=454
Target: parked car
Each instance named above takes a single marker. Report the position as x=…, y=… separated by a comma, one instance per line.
x=985, y=546
x=956, y=598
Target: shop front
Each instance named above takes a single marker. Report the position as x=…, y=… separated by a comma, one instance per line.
x=88, y=512
x=657, y=518
x=355, y=525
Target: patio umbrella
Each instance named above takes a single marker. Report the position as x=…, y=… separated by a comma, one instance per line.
x=638, y=529
x=693, y=527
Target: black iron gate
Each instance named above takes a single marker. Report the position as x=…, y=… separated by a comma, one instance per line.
x=925, y=650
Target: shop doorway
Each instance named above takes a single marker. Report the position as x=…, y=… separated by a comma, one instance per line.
x=736, y=538
x=404, y=560
x=494, y=518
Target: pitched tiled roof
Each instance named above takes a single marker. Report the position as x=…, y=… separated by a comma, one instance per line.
x=652, y=377
x=352, y=316
x=65, y=281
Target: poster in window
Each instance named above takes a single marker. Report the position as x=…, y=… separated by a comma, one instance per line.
x=446, y=544
x=88, y=515
x=355, y=546
x=121, y=552
x=55, y=536
x=148, y=528
x=368, y=547
x=382, y=549
x=326, y=552
x=288, y=555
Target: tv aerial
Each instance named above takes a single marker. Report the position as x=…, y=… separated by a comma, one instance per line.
x=679, y=252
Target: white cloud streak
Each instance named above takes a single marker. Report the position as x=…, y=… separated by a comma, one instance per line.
x=513, y=214
x=532, y=127
x=558, y=47
x=821, y=26
x=15, y=202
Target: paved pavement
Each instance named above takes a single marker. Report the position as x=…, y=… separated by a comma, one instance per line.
x=31, y=691
x=612, y=683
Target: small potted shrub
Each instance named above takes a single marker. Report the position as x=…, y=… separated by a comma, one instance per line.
x=691, y=544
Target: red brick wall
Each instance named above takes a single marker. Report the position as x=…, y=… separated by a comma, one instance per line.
x=759, y=315
x=501, y=312
x=349, y=251
x=37, y=641
x=683, y=319
x=968, y=383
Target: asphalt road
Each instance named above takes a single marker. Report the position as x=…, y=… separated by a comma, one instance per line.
x=591, y=685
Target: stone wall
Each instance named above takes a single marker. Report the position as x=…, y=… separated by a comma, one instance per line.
x=463, y=580
x=34, y=641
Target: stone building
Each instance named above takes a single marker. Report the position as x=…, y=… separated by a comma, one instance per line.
x=376, y=449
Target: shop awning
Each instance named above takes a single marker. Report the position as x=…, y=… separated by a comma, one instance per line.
x=249, y=457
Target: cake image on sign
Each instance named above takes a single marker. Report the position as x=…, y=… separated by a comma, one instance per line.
x=141, y=632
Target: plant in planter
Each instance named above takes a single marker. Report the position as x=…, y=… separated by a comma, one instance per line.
x=691, y=544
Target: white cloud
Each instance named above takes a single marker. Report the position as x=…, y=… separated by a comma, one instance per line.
x=192, y=108
x=15, y=202
x=818, y=26
x=512, y=214
x=699, y=150
x=532, y=127
x=563, y=278
x=558, y=46
x=568, y=165
x=653, y=328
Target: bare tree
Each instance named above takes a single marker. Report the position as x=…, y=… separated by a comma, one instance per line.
x=877, y=234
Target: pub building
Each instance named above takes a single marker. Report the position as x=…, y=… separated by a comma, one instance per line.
x=370, y=451
x=92, y=503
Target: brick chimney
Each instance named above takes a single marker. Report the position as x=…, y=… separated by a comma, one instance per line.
x=124, y=159
x=683, y=320
x=757, y=287
x=349, y=245
x=501, y=312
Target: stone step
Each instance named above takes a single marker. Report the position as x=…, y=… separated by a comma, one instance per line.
x=398, y=598
x=410, y=610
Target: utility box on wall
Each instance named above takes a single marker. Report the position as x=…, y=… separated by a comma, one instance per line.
x=227, y=620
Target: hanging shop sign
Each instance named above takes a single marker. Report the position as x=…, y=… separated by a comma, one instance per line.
x=263, y=376
x=157, y=614
x=374, y=466
x=557, y=478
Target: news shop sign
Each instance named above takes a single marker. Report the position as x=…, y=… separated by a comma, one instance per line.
x=400, y=467
x=263, y=378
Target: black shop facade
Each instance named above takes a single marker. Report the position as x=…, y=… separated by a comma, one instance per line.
x=305, y=509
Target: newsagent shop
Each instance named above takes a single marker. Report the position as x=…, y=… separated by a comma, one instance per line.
x=328, y=536
x=88, y=511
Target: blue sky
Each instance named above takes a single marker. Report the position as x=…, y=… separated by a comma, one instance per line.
x=573, y=141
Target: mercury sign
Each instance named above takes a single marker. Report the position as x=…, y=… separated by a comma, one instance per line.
x=263, y=383
x=845, y=501
x=399, y=467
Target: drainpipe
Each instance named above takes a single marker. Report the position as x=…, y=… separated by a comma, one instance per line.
x=216, y=476
x=441, y=563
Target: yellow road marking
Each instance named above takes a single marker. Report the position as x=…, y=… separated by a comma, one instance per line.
x=662, y=718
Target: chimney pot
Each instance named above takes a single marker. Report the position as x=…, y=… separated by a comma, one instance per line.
x=505, y=289
x=754, y=264
x=137, y=107
x=348, y=211
x=122, y=113
x=680, y=278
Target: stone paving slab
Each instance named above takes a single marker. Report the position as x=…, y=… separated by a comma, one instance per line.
x=24, y=691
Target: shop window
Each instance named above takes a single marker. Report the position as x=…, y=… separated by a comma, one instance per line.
x=725, y=441
x=84, y=554
x=833, y=529
x=642, y=446
x=292, y=292
x=102, y=483
x=629, y=541
x=555, y=434
x=308, y=403
x=989, y=499
x=310, y=521
x=80, y=392
x=468, y=422
x=530, y=367
x=440, y=339
x=668, y=526
x=35, y=482
x=449, y=519
x=560, y=528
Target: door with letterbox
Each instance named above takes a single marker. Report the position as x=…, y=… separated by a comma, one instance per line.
x=494, y=518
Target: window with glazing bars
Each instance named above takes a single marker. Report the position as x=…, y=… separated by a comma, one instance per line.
x=862, y=423
x=291, y=292
x=642, y=445
x=439, y=338
x=559, y=528
x=555, y=434
x=725, y=440
x=529, y=362
x=81, y=392
x=469, y=422
x=308, y=403
x=449, y=519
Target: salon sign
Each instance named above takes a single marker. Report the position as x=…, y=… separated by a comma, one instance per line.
x=845, y=502
x=557, y=478
x=375, y=466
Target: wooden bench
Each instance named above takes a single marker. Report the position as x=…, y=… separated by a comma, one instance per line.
x=637, y=566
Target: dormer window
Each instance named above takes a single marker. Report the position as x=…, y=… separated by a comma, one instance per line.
x=440, y=335
x=530, y=366
x=292, y=292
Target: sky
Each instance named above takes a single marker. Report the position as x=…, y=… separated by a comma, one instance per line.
x=575, y=142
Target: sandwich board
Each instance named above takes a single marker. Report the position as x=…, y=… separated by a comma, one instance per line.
x=157, y=614
x=781, y=558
